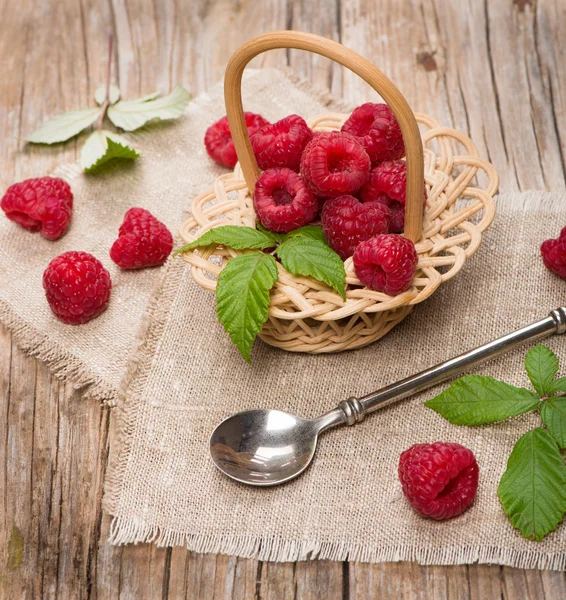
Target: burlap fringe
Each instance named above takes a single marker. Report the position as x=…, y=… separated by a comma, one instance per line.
x=131, y=530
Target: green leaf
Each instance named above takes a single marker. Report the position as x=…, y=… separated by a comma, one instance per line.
x=542, y=365
x=102, y=146
x=553, y=415
x=311, y=257
x=130, y=115
x=100, y=94
x=242, y=297
x=312, y=232
x=233, y=236
x=64, y=126
x=274, y=235
x=149, y=97
x=558, y=386
x=533, y=487
x=477, y=400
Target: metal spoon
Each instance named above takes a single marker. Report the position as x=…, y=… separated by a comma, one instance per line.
x=268, y=447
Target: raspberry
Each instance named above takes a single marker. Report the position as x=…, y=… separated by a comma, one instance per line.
x=218, y=139
x=387, y=183
x=346, y=222
x=440, y=480
x=377, y=130
x=282, y=201
x=77, y=287
x=386, y=263
x=281, y=144
x=44, y=204
x=554, y=254
x=143, y=241
x=334, y=164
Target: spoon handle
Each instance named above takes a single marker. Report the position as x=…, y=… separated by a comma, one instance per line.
x=355, y=409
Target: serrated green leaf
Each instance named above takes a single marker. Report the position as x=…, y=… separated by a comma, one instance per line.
x=542, y=365
x=102, y=146
x=313, y=258
x=477, y=400
x=274, y=235
x=533, y=487
x=100, y=94
x=312, y=232
x=233, y=236
x=553, y=415
x=242, y=297
x=130, y=115
x=558, y=386
x=65, y=126
x=149, y=97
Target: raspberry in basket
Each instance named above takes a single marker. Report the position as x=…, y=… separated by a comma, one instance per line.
x=281, y=144
x=554, y=254
x=143, y=241
x=440, y=480
x=334, y=164
x=218, y=139
x=43, y=204
x=386, y=263
x=377, y=130
x=346, y=222
x=77, y=287
x=387, y=183
x=282, y=201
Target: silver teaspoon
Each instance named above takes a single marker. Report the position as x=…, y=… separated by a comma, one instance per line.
x=268, y=447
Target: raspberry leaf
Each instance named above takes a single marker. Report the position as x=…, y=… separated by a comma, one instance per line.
x=558, y=386
x=542, y=365
x=65, y=126
x=242, y=297
x=553, y=415
x=312, y=232
x=233, y=236
x=274, y=235
x=100, y=94
x=313, y=258
x=133, y=114
x=103, y=146
x=477, y=400
x=533, y=487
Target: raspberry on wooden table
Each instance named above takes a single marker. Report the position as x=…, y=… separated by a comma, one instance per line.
x=281, y=144
x=77, y=287
x=377, y=130
x=387, y=183
x=386, y=263
x=334, y=164
x=553, y=254
x=282, y=201
x=346, y=222
x=218, y=139
x=440, y=480
x=143, y=241
x=43, y=204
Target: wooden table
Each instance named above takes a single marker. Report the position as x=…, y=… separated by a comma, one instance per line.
x=492, y=69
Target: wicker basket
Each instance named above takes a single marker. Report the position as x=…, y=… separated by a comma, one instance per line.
x=305, y=315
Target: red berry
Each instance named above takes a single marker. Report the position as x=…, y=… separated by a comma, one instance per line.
x=334, y=164
x=346, y=222
x=281, y=144
x=143, y=241
x=386, y=263
x=282, y=201
x=44, y=204
x=77, y=287
x=387, y=183
x=377, y=130
x=440, y=480
x=554, y=254
x=218, y=139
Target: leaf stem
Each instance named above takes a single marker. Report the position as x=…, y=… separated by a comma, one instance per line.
x=99, y=122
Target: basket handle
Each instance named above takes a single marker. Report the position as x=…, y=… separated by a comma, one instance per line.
x=356, y=63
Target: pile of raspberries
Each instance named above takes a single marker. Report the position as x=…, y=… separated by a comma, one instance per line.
x=353, y=181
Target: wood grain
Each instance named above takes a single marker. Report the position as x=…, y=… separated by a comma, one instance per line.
x=492, y=69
